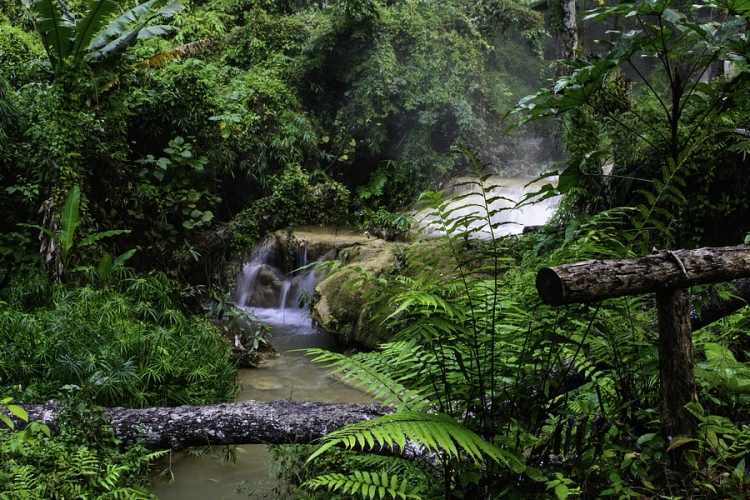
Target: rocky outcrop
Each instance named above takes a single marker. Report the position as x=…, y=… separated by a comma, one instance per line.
x=339, y=306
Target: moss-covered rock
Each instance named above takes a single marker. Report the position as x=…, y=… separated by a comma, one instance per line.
x=339, y=306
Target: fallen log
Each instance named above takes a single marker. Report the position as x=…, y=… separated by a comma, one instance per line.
x=248, y=422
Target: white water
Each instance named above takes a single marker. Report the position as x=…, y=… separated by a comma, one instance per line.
x=500, y=215
x=287, y=376
x=260, y=258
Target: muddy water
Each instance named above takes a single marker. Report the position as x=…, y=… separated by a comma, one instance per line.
x=288, y=376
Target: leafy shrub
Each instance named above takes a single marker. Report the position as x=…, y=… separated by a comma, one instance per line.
x=128, y=344
x=294, y=201
x=84, y=460
x=17, y=51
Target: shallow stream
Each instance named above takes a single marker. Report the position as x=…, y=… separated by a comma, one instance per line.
x=288, y=376
x=271, y=293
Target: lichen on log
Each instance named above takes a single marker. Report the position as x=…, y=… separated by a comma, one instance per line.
x=248, y=422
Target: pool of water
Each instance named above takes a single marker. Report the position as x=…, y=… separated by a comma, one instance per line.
x=290, y=375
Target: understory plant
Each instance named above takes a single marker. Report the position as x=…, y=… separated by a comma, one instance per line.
x=130, y=343
x=498, y=396
x=83, y=460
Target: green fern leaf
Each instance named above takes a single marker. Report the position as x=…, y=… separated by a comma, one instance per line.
x=436, y=432
x=368, y=485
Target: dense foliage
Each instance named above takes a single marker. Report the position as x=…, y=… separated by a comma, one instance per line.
x=543, y=402
x=171, y=134
x=566, y=401
x=129, y=342
x=165, y=136
x=660, y=107
x=83, y=461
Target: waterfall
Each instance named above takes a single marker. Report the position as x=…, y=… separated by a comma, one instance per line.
x=246, y=283
x=503, y=199
x=272, y=292
x=261, y=257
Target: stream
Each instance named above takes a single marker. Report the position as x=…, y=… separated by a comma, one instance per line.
x=287, y=376
x=271, y=289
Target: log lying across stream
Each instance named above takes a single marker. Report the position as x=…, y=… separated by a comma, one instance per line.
x=248, y=422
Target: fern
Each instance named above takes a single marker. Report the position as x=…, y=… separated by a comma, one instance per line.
x=378, y=374
x=368, y=485
x=435, y=432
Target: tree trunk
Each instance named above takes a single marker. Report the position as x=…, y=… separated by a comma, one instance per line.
x=597, y=280
x=249, y=422
x=570, y=30
x=676, y=374
x=713, y=309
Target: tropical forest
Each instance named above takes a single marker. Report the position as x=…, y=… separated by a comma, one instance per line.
x=374, y=249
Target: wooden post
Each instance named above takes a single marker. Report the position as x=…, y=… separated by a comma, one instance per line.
x=676, y=374
x=668, y=274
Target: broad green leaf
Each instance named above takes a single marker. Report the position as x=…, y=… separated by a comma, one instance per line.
x=120, y=261
x=104, y=269
x=99, y=236
x=569, y=179
x=98, y=14
x=677, y=442
x=18, y=412
x=69, y=219
x=56, y=27
x=561, y=491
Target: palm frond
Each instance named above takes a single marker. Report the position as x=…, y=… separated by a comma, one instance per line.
x=179, y=52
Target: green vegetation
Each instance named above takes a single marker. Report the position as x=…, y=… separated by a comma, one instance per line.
x=146, y=157
x=130, y=342
x=83, y=461
x=565, y=401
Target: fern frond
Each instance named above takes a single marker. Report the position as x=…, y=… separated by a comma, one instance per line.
x=368, y=485
x=435, y=432
x=381, y=375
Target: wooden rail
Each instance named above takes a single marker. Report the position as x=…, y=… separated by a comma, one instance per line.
x=668, y=274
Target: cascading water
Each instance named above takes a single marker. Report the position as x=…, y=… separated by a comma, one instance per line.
x=261, y=257
x=503, y=199
x=272, y=293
